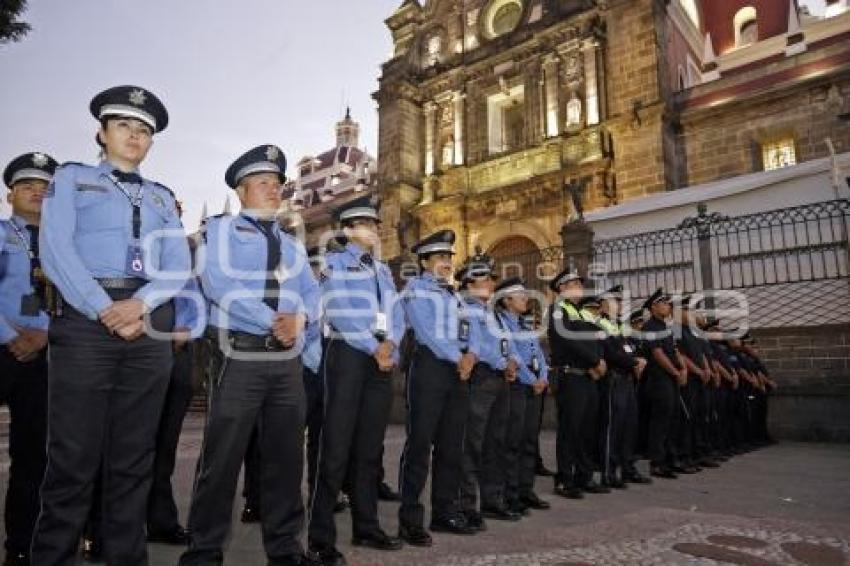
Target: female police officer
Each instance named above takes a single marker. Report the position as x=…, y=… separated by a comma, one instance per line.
x=113, y=245
x=447, y=348
x=365, y=323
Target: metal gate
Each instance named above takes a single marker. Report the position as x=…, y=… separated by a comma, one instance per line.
x=790, y=265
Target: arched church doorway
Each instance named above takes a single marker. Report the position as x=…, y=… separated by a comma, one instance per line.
x=518, y=256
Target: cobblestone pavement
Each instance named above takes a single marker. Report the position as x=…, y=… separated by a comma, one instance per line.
x=787, y=504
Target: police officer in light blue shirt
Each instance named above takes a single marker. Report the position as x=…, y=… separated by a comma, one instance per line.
x=262, y=297
x=447, y=347
x=526, y=395
x=496, y=367
x=113, y=245
x=365, y=321
x=23, y=341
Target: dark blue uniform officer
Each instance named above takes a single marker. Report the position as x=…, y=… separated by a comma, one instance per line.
x=23, y=338
x=447, y=346
x=619, y=403
x=532, y=380
x=579, y=363
x=262, y=295
x=663, y=374
x=113, y=245
x=365, y=325
x=690, y=439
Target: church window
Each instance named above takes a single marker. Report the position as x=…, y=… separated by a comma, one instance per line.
x=502, y=17
x=746, y=27
x=506, y=120
x=779, y=153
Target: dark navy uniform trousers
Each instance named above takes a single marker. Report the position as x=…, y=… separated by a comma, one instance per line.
x=105, y=397
x=267, y=393
x=23, y=387
x=358, y=398
x=438, y=402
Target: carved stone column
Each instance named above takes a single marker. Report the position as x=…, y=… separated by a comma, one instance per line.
x=590, y=50
x=550, y=77
x=430, y=135
x=459, y=127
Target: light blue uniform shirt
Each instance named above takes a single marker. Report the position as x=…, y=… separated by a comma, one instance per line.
x=87, y=229
x=353, y=291
x=527, y=345
x=233, y=276
x=489, y=331
x=190, y=309
x=435, y=314
x=15, y=280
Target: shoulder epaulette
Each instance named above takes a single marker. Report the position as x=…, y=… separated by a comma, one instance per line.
x=77, y=163
x=166, y=189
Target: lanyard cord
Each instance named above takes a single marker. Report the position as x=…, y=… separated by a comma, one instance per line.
x=135, y=202
x=35, y=262
x=367, y=261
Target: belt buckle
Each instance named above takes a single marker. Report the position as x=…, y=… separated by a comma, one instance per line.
x=269, y=342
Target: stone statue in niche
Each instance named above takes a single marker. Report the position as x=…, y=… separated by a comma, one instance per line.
x=573, y=112
x=447, y=115
x=448, y=152
x=434, y=47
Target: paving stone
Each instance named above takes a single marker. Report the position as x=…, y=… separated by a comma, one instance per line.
x=740, y=514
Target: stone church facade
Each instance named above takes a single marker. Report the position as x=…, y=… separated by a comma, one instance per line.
x=492, y=111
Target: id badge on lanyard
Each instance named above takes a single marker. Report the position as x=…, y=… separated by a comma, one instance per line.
x=381, y=324
x=135, y=263
x=31, y=304
x=463, y=330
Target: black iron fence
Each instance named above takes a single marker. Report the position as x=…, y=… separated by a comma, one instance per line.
x=791, y=266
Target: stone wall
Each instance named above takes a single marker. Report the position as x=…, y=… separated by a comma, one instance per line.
x=812, y=367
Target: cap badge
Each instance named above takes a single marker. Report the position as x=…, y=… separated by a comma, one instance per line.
x=137, y=97
x=39, y=159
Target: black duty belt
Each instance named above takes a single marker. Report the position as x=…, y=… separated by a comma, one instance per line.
x=334, y=333
x=570, y=372
x=121, y=284
x=245, y=341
